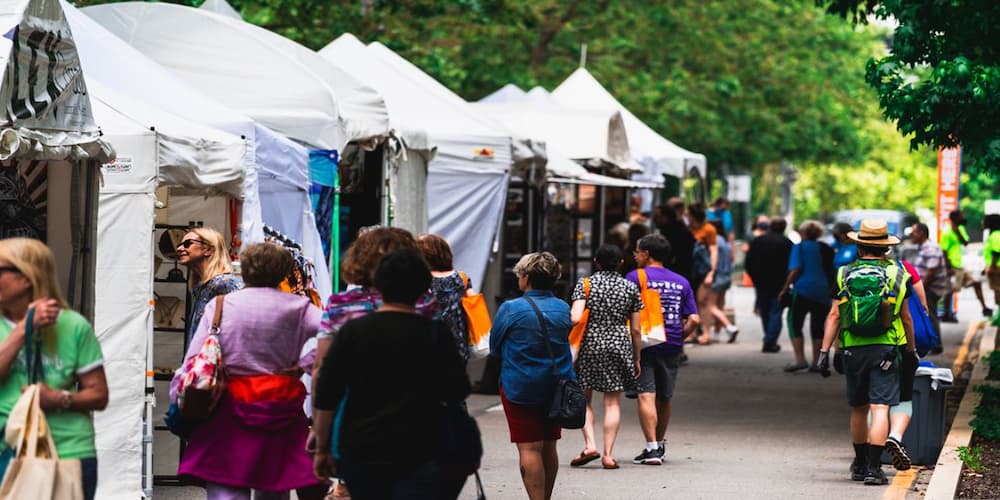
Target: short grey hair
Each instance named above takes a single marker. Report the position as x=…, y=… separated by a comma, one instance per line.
x=541, y=268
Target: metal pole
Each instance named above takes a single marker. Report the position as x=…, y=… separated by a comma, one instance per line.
x=335, y=233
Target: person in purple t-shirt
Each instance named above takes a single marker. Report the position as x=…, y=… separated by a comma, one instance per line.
x=659, y=363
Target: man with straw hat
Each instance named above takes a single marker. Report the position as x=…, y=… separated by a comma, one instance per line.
x=871, y=319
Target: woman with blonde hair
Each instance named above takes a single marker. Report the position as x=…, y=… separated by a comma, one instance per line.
x=72, y=383
x=203, y=250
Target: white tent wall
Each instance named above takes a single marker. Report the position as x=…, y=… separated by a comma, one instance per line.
x=469, y=222
x=409, y=187
x=123, y=316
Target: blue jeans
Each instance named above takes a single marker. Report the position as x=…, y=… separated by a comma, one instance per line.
x=770, y=317
x=420, y=482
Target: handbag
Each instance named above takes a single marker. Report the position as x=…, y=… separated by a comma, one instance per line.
x=477, y=319
x=651, y=315
x=567, y=406
x=576, y=333
x=461, y=444
x=204, y=377
x=36, y=470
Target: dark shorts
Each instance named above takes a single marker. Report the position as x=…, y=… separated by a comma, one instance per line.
x=866, y=382
x=529, y=423
x=659, y=373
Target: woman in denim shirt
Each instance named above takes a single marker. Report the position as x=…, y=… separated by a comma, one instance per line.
x=527, y=374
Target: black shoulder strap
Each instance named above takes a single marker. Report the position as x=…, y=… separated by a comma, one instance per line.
x=545, y=332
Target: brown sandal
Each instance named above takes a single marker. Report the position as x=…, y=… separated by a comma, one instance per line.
x=584, y=459
x=614, y=464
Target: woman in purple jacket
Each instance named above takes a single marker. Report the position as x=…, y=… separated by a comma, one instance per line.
x=255, y=439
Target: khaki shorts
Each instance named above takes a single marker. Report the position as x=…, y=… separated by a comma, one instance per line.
x=962, y=279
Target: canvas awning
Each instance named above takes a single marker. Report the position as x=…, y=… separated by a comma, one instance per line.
x=658, y=155
x=281, y=84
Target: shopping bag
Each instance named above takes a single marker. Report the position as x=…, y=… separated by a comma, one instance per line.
x=651, y=315
x=204, y=375
x=477, y=319
x=576, y=334
x=36, y=471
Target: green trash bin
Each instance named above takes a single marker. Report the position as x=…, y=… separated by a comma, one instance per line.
x=925, y=435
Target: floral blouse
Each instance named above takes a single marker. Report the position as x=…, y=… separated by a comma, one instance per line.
x=357, y=302
x=221, y=284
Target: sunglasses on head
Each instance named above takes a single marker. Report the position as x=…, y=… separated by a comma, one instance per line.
x=187, y=243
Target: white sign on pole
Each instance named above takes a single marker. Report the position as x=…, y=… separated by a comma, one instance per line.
x=739, y=188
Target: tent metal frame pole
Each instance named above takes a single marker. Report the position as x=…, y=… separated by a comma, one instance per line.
x=334, y=263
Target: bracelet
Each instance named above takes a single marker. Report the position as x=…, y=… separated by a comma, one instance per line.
x=67, y=400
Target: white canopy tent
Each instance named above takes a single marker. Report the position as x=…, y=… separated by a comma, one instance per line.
x=585, y=135
x=221, y=7
x=468, y=175
x=279, y=83
x=154, y=148
x=658, y=155
x=272, y=163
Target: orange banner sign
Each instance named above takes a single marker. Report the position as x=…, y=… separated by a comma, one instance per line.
x=949, y=168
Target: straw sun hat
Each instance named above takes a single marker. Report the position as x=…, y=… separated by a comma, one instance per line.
x=873, y=232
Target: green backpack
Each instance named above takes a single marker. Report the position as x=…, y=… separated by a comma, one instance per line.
x=871, y=296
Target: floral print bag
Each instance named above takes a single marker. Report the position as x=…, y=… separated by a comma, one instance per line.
x=204, y=378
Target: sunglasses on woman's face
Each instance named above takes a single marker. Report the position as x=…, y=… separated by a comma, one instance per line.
x=9, y=269
x=187, y=243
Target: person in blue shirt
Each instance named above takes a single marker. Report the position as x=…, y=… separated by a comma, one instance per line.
x=809, y=284
x=844, y=250
x=720, y=212
x=528, y=373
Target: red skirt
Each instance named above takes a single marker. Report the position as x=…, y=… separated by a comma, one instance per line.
x=252, y=444
x=528, y=423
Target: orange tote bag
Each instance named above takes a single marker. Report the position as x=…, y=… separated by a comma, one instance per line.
x=651, y=316
x=576, y=334
x=477, y=319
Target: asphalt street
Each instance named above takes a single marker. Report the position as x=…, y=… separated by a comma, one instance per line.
x=741, y=428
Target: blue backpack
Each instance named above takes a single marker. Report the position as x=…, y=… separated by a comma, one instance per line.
x=923, y=327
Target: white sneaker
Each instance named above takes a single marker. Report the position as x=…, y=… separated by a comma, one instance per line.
x=732, y=330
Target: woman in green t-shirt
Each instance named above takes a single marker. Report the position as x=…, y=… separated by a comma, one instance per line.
x=73, y=382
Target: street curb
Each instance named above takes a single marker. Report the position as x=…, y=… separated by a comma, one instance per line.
x=948, y=472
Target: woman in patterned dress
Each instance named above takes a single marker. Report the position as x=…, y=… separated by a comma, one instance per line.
x=203, y=250
x=448, y=287
x=609, y=353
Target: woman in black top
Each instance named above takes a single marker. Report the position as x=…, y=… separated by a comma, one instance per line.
x=388, y=373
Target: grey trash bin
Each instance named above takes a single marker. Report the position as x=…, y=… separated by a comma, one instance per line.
x=925, y=435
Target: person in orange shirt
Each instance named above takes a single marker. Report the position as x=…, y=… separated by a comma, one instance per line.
x=705, y=236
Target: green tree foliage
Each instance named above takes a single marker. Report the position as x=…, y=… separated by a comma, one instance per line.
x=891, y=177
x=941, y=79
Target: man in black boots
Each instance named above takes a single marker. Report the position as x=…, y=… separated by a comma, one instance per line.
x=871, y=321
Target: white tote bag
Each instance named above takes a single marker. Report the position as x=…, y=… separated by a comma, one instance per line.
x=36, y=471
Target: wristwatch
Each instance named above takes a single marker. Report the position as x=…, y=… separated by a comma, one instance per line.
x=67, y=400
